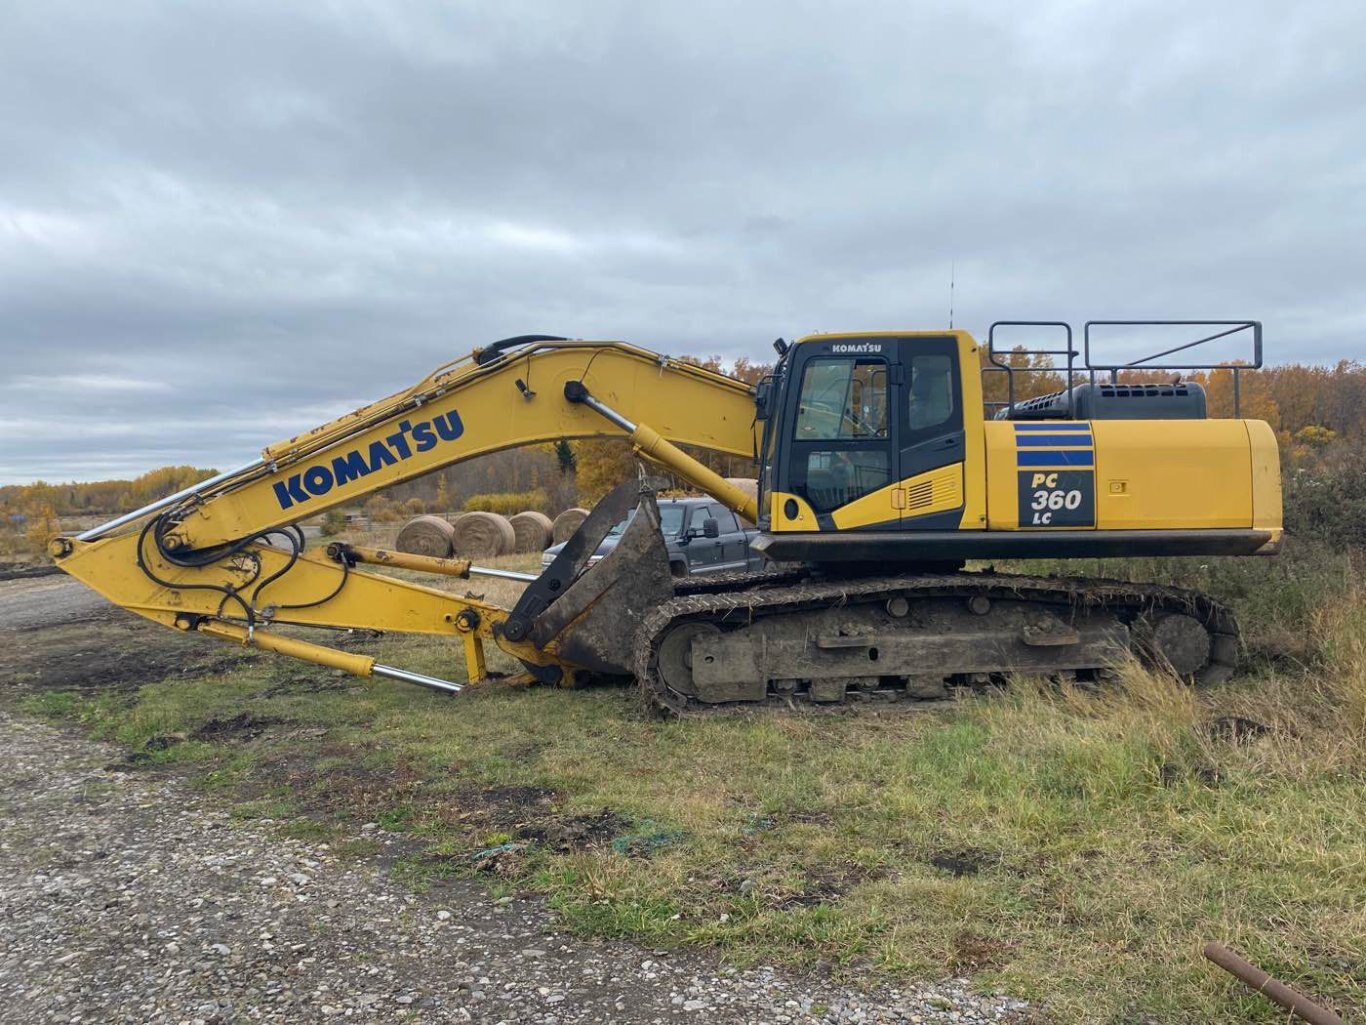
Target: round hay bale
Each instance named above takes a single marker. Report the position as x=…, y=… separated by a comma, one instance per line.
x=482, y=534
x=562, y=529
x=749, y=486
x=532, y=529
x=426, y=535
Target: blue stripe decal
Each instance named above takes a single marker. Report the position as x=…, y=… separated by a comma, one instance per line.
x=1054, y=458
x=1047, y=427
x=1051, y=440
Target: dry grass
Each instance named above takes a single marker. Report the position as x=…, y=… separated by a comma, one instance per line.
x=1074, y=847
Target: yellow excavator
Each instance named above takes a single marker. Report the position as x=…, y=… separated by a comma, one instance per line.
x=880, y=476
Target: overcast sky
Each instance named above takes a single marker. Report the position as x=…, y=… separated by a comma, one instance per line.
x=223, y=222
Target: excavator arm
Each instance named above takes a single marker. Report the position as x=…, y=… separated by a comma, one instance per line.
x=223, y=558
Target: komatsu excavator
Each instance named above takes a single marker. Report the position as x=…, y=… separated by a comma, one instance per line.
x=880, y=475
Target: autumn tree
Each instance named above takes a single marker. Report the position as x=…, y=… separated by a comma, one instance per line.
x=602, y=464
x=1033, y=375
x=42, y=525
x=381, y=509
x=1254, y=398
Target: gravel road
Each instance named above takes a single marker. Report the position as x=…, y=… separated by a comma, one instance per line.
x=129, y=898
x=47, y=601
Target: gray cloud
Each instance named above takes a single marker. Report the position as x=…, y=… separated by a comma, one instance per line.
x=222, y=223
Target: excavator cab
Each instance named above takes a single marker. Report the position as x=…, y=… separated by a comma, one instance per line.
x=869, y=433
x=877, y=450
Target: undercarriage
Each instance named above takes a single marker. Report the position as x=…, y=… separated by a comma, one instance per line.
x=789, y=639
x=828, y=637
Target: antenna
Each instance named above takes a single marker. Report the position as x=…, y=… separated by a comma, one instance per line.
x=953, y=267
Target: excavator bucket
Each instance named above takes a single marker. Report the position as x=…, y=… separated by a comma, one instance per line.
x=589, y=612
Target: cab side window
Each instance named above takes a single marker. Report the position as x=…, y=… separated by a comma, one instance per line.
x=930, y=394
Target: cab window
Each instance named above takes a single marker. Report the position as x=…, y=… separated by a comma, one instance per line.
x=828, y=479
x=930, y=394
x=841, y=445
x=843, y=398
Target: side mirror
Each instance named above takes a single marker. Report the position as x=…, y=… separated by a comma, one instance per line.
x=710, y=528
x=763, y=392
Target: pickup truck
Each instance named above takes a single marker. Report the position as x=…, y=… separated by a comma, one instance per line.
x=701, y=535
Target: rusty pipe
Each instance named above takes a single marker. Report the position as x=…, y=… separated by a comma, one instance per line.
x=1259, y=981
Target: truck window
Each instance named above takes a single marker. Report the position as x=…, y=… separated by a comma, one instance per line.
x=725, y=519
x=671, y=520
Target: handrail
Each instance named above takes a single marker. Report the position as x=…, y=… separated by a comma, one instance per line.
x=1069, y=352
x=1092, y=367
x=1233, y=327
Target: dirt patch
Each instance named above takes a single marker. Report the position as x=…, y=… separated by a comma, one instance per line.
x=309, y=683
x=27, y=570
x=120, y=655
x=1169, y=775
x=822, y=886
x=575, y=832
x=967, y=861
x=1238, y=729
x=510, y=808
x=828, y=885
x=243, y=726
x=146, y=757
x=806, y=898
x=340, y=781
x=972, y=952
x=349, y=790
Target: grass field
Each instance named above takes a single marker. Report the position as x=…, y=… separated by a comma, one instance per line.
x=1071, y=847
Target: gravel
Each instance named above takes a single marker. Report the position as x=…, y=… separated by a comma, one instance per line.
x=132, y=898
x=43, y=601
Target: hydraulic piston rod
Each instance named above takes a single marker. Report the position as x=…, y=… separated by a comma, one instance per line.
x=650, y=444
x=356, y=665
x=341, y=552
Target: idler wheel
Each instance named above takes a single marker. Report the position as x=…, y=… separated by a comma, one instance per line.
x=1179, y=641
x=675, y=656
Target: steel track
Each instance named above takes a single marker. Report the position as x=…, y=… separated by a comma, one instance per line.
x=740, y=599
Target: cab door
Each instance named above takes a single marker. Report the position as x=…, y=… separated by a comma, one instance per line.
x=931, y=442
x=839, y=460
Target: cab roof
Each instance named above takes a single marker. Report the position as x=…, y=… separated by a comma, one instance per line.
x=826, y=336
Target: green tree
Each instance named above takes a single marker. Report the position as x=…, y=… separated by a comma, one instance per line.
x=334, y=522
x=564, y=457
